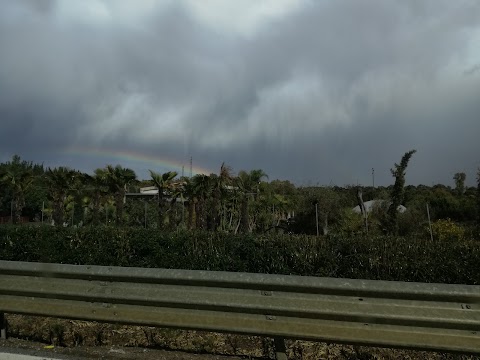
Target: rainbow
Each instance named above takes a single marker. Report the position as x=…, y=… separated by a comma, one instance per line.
x=155, y=163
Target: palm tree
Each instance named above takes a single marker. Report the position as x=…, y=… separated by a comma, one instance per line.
x=164, y=184
x=18, y=177
x=96, y=189
x=478, y=198
x=61, y=182
x=221, y=185
x=191, y=194
x=117, y=180
x=249, y=185
x=203, y=188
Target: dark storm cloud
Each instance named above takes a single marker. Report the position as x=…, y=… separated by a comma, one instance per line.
x=321, y=94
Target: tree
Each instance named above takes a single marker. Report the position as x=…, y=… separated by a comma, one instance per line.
x=270, y=208
x=398, y=190
x=249, y=185
x=322, y=201
x=18, y=177
x=117, y=180
x=202, y=190
x=190, y=192
x=96, y=189
x=460, y=182
x=60, y=185
x=164, y=184
x=478, y=198
x=220, y=190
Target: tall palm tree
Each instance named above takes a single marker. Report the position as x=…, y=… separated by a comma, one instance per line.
x=96, y=190
x=203, y=188
x=191, y=192
x=61, y=182
x=164, y=184
x=221, y=188
x=18, y=178
x=117, y=179
x=478, y=198
x=249, y=185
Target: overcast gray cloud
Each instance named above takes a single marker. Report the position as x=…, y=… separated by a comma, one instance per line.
x=311, y=91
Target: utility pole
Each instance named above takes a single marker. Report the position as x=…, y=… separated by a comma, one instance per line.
x=373, y=178
x=191, y=166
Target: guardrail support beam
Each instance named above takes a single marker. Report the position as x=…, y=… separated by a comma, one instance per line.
x=280, y=353
x=431, y=317
x=3, y=327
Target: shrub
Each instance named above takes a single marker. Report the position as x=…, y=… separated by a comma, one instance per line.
x=446, y=229
x=374, y=257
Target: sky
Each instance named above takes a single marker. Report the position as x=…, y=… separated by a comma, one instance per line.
x=311, y=91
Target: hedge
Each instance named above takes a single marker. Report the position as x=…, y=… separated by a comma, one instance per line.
x=377, y=258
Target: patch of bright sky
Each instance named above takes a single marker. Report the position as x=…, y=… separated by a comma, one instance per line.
x=98, y=12
x=468, y=61
x=473, y=52
x=238, y=16
x=241, y=16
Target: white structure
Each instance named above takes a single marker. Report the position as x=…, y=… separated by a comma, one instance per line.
x=372, y=204
x=149, y=190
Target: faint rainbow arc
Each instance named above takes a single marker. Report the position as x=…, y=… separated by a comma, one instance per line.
x=133, y=156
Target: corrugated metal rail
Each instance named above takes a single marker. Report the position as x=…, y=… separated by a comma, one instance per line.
x=438, y=317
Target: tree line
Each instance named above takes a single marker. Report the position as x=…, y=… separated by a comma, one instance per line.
x=237, y=203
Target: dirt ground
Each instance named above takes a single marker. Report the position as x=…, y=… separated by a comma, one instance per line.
x=34, y=348
x=90, y=340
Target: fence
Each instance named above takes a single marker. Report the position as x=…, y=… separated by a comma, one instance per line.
x=436, y=317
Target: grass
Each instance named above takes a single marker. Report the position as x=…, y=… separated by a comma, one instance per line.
x=71, y=333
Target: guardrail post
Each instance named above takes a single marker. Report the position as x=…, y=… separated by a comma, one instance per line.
x=3, y=327
x=280, y=348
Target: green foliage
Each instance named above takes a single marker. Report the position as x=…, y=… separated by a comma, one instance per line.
x=117, y=179
x=446, y=229
x=445, y=204
x=460, y=182
x=349, y=224
x=412, y=222
x=17, y=176
x=330, y=206
x=223, y=202
x=398, y=190
x=63, y=184
x=377, y=257
x=249, y=185
x=166, y=188
x=478, y=200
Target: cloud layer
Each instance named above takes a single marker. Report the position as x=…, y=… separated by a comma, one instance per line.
x=311, y=91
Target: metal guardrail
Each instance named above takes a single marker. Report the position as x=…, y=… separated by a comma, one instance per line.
x=437, y=317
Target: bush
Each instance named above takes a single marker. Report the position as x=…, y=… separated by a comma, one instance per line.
x=443, y=230
x=375, y=257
